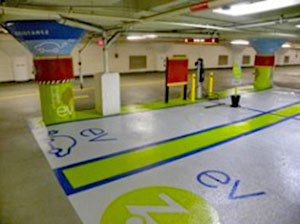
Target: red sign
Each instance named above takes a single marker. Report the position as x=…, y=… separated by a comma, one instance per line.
x=53, y=69
x=264, y=60
x=177, y=71
x=199, y=6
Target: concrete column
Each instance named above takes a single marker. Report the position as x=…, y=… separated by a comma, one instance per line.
x=55, y=77
x=51, y=45
x=265, y=61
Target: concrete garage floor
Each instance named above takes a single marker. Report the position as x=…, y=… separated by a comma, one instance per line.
x=29, y=192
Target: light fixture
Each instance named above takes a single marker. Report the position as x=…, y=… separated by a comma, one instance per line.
x=298, y=26
x=136, y=37
x=199, y=40
x=240, y=42
x=151, y=36
x=286, y=45
x=241, y=9
x=141, y=37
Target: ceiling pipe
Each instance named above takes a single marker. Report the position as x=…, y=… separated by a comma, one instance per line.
x=196, y=7
x=50, y=14
x=202, y=26
x=268, y=23
x=112, y=39
x=170, y=35
x=253, y=34
x=80, y=24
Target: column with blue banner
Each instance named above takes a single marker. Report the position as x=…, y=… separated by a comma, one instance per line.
x=51, y=44
x=265, y=61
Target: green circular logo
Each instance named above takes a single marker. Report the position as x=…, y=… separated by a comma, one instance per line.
x=159, y=205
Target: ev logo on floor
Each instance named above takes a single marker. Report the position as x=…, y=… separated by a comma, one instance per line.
x=159, y=205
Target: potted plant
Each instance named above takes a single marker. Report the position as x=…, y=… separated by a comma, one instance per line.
x=237, y=74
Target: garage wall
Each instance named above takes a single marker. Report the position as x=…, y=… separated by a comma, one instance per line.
x=6, y=73
x=119, y=56
x=16, y=61
x=156, y=53
x=293, y=56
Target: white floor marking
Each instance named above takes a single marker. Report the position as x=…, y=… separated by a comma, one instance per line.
x=143, y=211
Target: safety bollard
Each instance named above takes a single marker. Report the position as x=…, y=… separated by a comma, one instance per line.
x=210, y=87
x=193, y=88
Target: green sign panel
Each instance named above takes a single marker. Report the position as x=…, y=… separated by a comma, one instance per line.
x=263, y=77
x=57, y=102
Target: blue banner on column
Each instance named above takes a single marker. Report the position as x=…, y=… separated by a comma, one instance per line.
x=266, y=46
x=45, y=37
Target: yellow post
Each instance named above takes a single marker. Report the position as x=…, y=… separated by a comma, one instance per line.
x=193, y=88
x=210, y=87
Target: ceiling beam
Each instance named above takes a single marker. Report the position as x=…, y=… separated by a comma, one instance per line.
x=196, y=7
x=56, y=14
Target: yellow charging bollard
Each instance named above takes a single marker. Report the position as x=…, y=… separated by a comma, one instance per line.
x=210, y=85
x=193, y=88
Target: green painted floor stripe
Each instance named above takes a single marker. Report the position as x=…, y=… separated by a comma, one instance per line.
x=99, y=170
x=289, y=111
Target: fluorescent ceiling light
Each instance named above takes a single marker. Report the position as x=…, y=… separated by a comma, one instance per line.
x=136, y=37
x=240, y=42
x=286, y=45
x=199, y=40
x=141, y=37
x=298, y=26
x=256, y=7
x=151, y=36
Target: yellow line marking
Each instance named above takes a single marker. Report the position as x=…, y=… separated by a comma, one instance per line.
x=18, y=96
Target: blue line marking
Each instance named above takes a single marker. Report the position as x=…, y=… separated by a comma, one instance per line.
x=255, y=110
x=157, y=143
x=270, y=112
x=171, y=139
x=232, y=195
x=69, y=190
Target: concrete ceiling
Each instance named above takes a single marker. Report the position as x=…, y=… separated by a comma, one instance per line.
x=172, y=17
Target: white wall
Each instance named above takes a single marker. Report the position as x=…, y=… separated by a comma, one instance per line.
x=294, y=56
x=92, y=61
x=156, y=54
x=19, y=65
x=6, y=73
